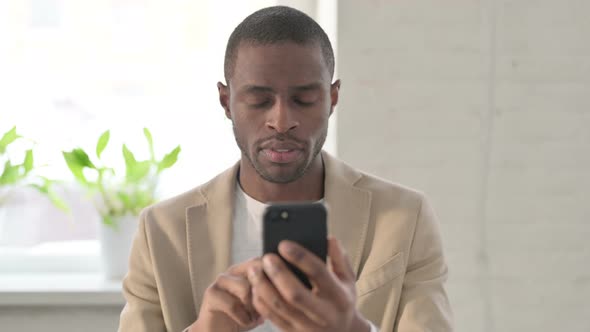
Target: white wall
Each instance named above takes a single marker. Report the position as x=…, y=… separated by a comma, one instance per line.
x=485, y=106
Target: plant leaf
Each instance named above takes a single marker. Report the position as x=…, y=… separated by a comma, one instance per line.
x=8, y=137
x=58, y=202
x=75, y=166
x=144, y=198
x=124, y=197
x=83, y=158
x=169, y=160
x=130, y=161
x=28, y=163
x=110, y=170
x=135, y=170
x=150, y=140
x=10, y=175
x=103, y=140
x=41, y=189
x=139, y=172
x=109, y=221
x=129, y=157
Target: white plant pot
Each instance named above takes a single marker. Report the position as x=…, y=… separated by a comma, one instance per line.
x=115, y=246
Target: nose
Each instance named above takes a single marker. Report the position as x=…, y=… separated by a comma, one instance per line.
x=281, y=118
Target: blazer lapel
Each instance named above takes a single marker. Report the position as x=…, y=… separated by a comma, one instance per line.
x=348, y=207
x=209, y=232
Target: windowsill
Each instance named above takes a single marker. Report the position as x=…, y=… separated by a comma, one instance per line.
x=59, y=290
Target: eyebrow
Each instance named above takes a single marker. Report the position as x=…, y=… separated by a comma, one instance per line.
x=307, y=87
x=255, y=89
x=266, y=89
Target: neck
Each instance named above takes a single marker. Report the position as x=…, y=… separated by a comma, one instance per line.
x=309, y=187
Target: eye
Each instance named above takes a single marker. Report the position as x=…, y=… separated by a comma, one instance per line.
x=302, y=103
x=262, y=104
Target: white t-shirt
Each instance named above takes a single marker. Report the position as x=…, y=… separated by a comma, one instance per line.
x=247, y=236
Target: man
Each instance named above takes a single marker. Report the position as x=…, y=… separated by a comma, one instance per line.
x=195, y=261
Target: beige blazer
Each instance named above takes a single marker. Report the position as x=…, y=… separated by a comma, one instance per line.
x=389, y=232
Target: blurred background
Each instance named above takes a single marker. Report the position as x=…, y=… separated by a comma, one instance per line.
x=483, y=105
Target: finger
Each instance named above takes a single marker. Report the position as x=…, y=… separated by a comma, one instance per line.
x=240, y=288
x=339, y=261
x=223, y=301
x=242, y=268
x=276, y=305
x=258, y=321
x=315, y=269
x=237, y=286
x=264, y=310
x=293, y=291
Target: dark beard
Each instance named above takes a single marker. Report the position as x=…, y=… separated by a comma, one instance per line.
x=287, y=178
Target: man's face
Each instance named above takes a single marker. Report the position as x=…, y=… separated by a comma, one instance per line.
x=279, y=100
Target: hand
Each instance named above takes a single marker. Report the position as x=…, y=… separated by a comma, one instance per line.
x=227, y=302
x=329, y=306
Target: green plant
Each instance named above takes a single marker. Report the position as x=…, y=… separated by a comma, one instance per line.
x=120, y=196
x=24, y=173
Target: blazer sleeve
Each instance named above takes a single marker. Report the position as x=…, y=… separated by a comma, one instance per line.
x=142, y=312
x=424, y=305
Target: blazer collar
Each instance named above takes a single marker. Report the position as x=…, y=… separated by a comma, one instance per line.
x=209, y=231
x=348, y=207
x=209, y=222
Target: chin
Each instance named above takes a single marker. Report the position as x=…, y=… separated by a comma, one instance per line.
x=281, y=179
x=282, y=173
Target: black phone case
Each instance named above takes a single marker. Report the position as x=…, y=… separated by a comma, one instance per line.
x=305, y=223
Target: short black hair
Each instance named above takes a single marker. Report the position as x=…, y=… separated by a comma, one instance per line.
x=274, y=25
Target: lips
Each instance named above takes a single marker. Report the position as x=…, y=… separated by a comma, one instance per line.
x=282, y=152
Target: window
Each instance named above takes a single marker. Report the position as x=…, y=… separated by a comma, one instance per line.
x=72, y=69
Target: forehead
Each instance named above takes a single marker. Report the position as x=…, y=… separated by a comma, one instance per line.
x=279, y=65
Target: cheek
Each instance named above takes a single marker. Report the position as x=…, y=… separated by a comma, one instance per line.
x=241, y=129
x=248, y=123
x=320, y=119
x=246, y=128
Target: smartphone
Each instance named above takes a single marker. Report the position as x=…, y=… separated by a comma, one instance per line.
x=303, y=223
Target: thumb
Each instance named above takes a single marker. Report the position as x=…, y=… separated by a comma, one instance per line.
x=339, y=261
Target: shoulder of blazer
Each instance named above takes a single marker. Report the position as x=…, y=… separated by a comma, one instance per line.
x=385, y=193
x=388, y=192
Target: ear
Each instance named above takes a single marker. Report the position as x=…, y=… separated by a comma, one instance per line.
x=334, y=91
x=224, y=98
